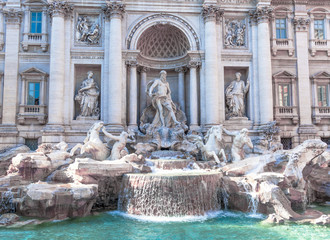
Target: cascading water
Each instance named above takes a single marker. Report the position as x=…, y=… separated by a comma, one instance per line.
x=170, y=194
x=224, y=198
x=252, y=194
x=7, y=204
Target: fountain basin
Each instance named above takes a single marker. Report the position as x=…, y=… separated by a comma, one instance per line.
x=186, y=193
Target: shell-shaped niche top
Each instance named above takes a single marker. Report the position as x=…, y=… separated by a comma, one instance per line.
x=163, y=41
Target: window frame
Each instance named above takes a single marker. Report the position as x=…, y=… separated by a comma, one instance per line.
x=28, y=90
x=281, y=95
x=36, y=22
x=317, y=31
x=280, y=28
x=326, y=94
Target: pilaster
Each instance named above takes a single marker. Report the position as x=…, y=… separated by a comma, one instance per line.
x=132, y=65
x=193, y=98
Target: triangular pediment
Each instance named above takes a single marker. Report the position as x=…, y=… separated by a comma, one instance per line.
x=284, y=74
x=323, y=75
x=33, y=70
x=35, y=2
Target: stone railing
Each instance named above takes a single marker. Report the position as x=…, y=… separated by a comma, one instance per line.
x=320, y=113
x=282, y=45
x=283, y=112
x=32, y=114
x=319, y=45
x=35, y=39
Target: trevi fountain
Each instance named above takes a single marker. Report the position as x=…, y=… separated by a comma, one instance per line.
x=164, y=181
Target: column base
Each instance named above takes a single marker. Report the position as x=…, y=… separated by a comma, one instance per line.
x=194, y=128
x=114, y=128
x=306, y=132
x=133, y=127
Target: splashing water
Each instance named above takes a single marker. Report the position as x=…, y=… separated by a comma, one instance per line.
x=224, y=197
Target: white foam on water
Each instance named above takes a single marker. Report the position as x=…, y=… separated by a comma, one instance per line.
x=207, y=216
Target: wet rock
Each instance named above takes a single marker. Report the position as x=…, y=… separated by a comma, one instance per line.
x=58, y=201
x=6, y=157
x=8, y=219
x=273, y=218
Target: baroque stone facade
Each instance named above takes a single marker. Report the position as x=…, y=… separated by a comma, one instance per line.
x=281, y=50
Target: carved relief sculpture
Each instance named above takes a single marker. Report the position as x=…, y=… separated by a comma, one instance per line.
x=87, y=97
x=235, y=33
x=235, y=95
x=87, y=31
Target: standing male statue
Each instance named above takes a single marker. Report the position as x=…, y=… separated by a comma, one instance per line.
x=162, y=102
x=87, y=97
x=235, y=94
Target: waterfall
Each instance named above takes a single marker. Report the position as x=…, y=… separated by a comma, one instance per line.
x=224, y=197
x=252, y=194
x=7, y=205
x=170, y=194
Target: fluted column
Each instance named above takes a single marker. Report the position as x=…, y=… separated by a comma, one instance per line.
x=304, y=88
x=115, y=11
x=143, y=88
x=193, y=98
x=57, y=10
x=181, y=95
x=210, y=14
x=132, y=64
x=262, y=15
x=10, y=87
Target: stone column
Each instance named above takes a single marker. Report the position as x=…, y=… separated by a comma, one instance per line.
x=262, y=15
x=132, y=64
x=181, y=95
x=10, y=86
x=143, y=88
x=210, y=14
x=193, y=98
x=304, y=86
x=1, y=30
x=57, y=10
x=115, y=11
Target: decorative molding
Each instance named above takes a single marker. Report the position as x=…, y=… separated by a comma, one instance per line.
x=301, y=23
x=114, y=10
x=235, y=33
x=59, y=8
x=181, y=69
x=88, y=29
x=143, y=69
x=13, y=15
x=162, y=19
x=131, y=63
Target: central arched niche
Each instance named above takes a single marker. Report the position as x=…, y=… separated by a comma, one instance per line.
x=163, y=41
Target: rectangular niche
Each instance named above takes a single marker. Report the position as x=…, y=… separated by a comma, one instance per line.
x=88, y=30
x=229, y=76
x=79, y=76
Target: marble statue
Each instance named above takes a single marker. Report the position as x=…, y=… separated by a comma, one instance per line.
x=234, y=33
x=235, y=94
x=118, y=150
x=213, y=148
x=87, y=32
x=88, y=96
x=93, y=144
x=162, y=101
x=241, y=138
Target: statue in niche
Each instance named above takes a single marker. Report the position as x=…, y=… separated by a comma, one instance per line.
x=87, y=32
x=241, y=138
x=235, y=95
x=162, y=102
x=87, y=97
x=234, y=33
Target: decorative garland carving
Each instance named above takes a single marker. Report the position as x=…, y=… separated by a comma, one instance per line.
x=301, y=23
x=211, y=12
x=261, y=14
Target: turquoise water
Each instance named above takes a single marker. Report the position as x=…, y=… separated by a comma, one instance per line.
x=115, y=225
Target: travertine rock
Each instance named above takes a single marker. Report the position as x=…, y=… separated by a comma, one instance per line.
x=6, y=157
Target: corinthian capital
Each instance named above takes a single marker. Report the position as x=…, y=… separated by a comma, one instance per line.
x=59, y=8
x=301, y=23
x=261, y=14
x=211, y=12
x=114, y=9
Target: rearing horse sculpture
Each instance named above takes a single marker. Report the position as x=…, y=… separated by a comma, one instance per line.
x=93, y=144
x=213, y=146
